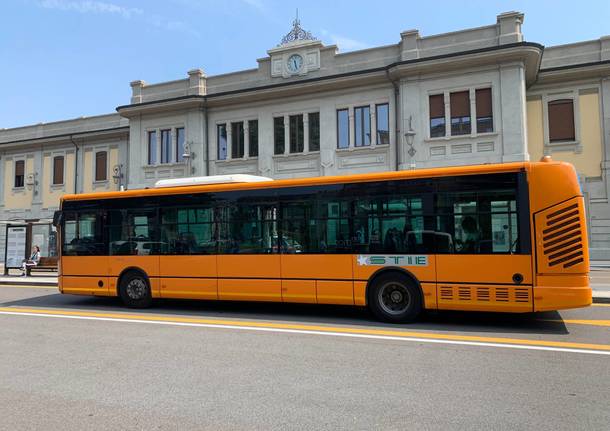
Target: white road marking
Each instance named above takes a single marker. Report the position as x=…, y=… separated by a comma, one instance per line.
x=313, y=332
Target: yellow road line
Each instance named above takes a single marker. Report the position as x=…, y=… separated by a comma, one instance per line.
x=306, y=327
x=585, y=322
x=600, y=305
x=28, y=286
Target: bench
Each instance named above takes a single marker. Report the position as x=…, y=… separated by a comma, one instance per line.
x=45, y=264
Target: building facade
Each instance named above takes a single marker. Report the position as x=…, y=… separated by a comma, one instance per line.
x=481, y=95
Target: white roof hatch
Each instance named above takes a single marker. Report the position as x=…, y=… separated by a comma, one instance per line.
x=212, y=179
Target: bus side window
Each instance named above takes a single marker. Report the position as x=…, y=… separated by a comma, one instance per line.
x=133, y=232
x=482, y=222
x=83, y=234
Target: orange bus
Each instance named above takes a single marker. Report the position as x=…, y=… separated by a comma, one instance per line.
x=499, y=237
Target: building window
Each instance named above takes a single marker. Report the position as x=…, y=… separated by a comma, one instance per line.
x=342, y=128
x=485, y=123
x=314, y=131
x=362, y=126
x=180, y=144
x=561, y=120
x=19, y=173
x=101, y=159
x=297, y=143
x=253, y=138
x=278, y=135
x=152, y=147
x=437, y=116
x=58, y=170
x=460, y=113
x=237, y=140
x=166, y=146
x=221, y=135
x=382, y=115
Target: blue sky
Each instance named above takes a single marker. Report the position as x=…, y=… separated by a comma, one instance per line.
x=67, y=58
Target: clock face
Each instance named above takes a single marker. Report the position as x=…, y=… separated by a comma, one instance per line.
x=295, y=63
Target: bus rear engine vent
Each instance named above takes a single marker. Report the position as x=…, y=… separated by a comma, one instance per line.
x=562, y=237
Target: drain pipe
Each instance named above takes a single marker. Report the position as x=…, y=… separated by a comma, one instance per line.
x=396, y=115
x=75, y=163
x=206, y=140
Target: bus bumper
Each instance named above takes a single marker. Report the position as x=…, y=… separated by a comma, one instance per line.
x=561, y=292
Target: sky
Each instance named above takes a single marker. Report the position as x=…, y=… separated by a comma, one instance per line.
x=62, y=59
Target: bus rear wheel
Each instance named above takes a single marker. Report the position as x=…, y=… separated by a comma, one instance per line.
x=395, y=298
x=134, y=290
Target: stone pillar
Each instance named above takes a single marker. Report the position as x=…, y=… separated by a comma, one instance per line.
x=509, y=27
x=513, y=116
x=286, y=134
x=136, y=91
x=408, y=44
x=305, y=133
x=197, y=82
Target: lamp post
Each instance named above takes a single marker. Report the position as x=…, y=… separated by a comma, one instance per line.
x=188, y=156
x=117, y=176
x=410, y=138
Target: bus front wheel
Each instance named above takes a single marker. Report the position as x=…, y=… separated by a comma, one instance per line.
x=395, y=298
x=134, y=290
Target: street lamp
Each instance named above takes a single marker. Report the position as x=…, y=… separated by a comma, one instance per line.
x=117, y=176
x=410, y=137
x=187, y=156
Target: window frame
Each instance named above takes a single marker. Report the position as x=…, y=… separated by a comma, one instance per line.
x=448, y=118
x=347, y=128
x=377, y=136
x=95, y=170
x=55, y=174
x=363, y=118
x=15, y=185
x=151, y=145
x=251, y=134
x=219, y=127
x=277, y=142
x=179, y=154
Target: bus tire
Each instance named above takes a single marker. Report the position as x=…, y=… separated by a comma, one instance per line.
x=134, y=290
x=395, y=298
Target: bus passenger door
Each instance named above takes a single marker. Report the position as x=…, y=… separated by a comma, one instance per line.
x=134, y=243
x=248, y=260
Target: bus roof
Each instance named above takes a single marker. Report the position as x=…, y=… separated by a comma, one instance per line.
x=296, y=182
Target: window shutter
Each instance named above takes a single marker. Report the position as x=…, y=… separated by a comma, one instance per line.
x=437, y=106
x=483, y=101
x=460, y=104
x=561, y=120
x=101, y=165
x=58, y=170
x=19, y=168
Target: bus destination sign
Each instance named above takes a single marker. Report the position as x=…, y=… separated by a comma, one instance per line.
x=392, y=260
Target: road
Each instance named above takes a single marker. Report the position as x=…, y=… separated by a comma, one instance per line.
x=76, y=363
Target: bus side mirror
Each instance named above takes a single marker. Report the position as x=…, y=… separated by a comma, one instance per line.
x=58, y=218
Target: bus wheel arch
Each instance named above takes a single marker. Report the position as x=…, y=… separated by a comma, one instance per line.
x=405, y=284
x=133, y=287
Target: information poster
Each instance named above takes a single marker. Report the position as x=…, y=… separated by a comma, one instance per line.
x=15, y=246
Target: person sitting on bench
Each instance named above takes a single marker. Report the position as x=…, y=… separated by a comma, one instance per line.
x=32, y=261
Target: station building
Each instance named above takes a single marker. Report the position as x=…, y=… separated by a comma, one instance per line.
x=480, y=95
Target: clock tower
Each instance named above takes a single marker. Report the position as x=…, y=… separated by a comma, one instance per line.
x=297, y=54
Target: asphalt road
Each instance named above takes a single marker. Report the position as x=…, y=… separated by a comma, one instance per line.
x=74, y=363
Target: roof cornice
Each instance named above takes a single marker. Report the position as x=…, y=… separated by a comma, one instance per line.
x=528, y=52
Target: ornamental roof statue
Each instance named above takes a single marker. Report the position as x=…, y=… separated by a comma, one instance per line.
x=297, y=33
